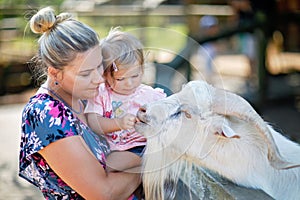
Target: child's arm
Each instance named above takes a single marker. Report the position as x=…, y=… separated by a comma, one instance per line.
x=102, y=125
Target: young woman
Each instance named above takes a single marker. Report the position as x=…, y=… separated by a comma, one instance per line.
x=59, y=153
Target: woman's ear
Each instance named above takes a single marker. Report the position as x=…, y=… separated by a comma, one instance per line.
x=54, y=73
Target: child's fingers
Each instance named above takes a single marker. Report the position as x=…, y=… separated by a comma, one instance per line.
x=131, y=118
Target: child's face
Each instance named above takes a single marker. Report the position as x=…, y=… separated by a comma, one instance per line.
x=126, y=79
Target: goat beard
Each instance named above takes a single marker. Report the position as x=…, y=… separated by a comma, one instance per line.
x=164, y=162
x=161, y=171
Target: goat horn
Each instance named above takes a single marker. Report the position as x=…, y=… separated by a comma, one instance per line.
x=226, y=103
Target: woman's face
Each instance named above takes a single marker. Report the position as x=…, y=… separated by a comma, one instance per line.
x=126, y=79
x=81, y=78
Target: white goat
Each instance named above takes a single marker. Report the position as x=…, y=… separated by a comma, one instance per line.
x=218, y=130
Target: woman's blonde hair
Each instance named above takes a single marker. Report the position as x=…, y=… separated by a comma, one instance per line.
x=62, y=38
x=120, y=48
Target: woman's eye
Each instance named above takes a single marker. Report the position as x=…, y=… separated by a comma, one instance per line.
x=119, y=79
x=85, y=74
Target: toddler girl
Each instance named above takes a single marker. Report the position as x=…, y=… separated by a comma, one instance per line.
x=113, y=111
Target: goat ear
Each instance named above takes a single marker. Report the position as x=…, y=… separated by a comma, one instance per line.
x=228, y=132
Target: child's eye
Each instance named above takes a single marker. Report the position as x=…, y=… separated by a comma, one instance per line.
x=135, y=76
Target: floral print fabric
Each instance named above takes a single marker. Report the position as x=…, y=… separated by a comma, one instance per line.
x=46, y=120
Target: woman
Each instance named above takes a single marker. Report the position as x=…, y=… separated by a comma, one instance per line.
x=59, y=153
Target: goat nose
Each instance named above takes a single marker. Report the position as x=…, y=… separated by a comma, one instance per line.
x=142, y=115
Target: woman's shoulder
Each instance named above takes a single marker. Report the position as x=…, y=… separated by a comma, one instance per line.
x=38, y=101
x=44, y=102
x=44, y=112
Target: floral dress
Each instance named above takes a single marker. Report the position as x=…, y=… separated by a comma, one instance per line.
x=46, y=120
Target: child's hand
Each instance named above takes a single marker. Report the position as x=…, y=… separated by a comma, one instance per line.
x=127, y=121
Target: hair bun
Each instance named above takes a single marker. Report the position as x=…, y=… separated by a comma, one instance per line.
x=45, y=19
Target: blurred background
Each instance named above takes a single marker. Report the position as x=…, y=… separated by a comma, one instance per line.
x=251, y=47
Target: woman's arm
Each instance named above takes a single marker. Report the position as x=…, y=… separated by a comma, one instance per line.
x=101, y=124
x=73, y=162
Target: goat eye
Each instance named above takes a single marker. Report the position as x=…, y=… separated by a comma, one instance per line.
x=185, y=108
x=175, y=115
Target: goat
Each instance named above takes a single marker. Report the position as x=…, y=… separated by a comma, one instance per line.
x=220, y=131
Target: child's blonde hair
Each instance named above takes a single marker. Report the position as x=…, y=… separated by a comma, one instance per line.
x=120, y=48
